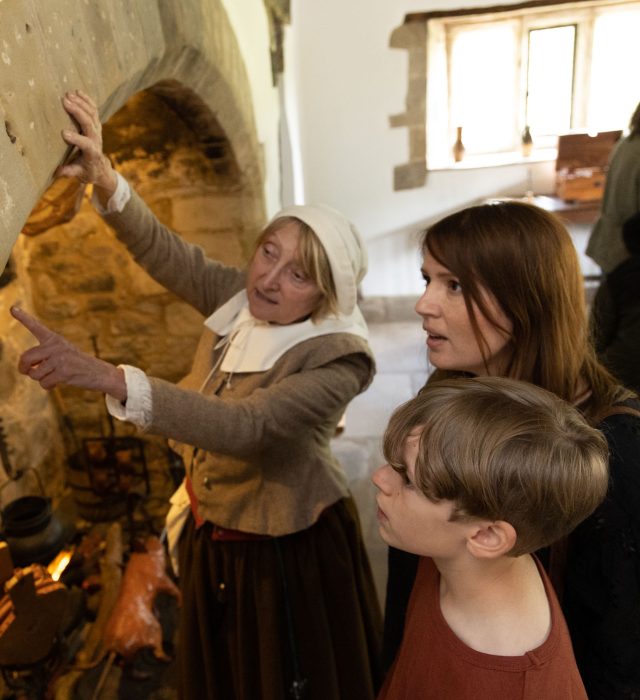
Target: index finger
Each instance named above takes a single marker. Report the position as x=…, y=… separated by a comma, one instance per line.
x=39, y=330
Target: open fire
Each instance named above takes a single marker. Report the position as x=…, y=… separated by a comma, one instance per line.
x=96, y=622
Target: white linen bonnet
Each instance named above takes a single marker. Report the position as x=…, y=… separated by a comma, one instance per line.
x=343, y=245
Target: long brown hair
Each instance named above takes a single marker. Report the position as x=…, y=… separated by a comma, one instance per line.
x=525, y=258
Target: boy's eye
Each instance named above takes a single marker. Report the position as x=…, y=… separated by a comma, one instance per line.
x=407, y=482
x=405, y=476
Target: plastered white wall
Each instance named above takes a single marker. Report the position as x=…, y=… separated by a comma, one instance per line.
x=250, y=24
x=347, y=82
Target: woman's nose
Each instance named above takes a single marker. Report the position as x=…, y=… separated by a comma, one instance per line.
x=382, y=478
x=272, y=277
x=427, y=304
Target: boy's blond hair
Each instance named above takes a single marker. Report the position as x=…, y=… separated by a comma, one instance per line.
x=503, y=449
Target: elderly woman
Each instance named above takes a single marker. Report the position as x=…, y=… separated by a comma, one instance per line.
x=278, y=598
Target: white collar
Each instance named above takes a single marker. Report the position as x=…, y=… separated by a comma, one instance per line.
x=255, y=346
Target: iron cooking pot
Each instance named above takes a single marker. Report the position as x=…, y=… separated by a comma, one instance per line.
x=33, y=532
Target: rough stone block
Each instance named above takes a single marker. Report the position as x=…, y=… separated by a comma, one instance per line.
x=409, y=175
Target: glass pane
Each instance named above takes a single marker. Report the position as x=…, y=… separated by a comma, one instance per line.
x=483, y=84
x=550, y=79
x=614, y=91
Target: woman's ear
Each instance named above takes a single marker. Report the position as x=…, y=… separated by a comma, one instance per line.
x=490, y=540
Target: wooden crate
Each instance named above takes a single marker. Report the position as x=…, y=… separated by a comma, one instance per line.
x=581, y=185
x=581, y=165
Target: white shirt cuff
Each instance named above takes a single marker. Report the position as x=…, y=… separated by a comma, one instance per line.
x=138, y=408
x=118, y=199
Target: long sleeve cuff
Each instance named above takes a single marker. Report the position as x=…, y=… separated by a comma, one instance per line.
x=118, y=199
x=138, y=408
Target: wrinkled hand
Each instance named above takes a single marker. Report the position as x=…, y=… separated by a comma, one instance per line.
x=91, y=164
x=57, y=361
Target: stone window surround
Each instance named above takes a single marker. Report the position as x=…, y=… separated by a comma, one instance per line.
x=412, y=37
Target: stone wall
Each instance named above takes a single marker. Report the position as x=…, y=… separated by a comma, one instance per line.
x=28, y=417
x=112, y=49
x=412, y=37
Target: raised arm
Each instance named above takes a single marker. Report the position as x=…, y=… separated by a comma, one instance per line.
x=294, y=406
x=239, y=426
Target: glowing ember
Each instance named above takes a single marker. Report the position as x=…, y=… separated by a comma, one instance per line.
x=59, y=564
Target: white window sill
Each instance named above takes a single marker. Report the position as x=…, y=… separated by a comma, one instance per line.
x=496, y=160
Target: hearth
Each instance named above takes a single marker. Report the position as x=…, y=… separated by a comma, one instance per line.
x=74, y=634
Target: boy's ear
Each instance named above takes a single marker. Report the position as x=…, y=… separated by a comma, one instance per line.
x=490, y=540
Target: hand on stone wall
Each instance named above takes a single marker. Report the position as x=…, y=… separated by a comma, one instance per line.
x=91, y=164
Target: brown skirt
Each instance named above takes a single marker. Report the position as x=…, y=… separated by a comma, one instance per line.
x=287, y=617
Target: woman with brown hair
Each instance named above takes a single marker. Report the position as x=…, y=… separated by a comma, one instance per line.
x=504, y=296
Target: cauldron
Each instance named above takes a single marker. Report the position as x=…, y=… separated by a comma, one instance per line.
x=32, y=530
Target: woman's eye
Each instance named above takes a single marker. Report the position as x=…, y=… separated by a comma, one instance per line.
x=299, y=276
x=455, y=286
x=426, y=279
x=269, y=250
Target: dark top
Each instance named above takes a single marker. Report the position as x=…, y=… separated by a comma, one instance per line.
x=602, y=577
x=615, y=322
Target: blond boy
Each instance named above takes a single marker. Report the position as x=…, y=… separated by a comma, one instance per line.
x=481, y=473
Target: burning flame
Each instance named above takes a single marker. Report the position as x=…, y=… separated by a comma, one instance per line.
x=59, y=564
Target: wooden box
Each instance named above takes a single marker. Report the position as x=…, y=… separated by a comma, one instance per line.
x=581, y=165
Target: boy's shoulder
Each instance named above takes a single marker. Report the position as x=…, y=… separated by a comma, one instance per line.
x=453, y=669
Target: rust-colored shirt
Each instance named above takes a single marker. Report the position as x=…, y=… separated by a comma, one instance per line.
x=434, y=664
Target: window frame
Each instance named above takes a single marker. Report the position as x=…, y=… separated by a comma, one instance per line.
x=441, y=27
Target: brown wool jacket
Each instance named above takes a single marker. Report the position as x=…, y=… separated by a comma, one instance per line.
x=263, y=462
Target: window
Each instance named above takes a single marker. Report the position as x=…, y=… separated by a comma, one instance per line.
x=557, y=68
x=550, y=79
